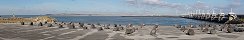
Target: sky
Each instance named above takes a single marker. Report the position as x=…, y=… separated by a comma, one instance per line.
x=140, y=7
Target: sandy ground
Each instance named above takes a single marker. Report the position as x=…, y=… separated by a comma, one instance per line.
x=27, y=32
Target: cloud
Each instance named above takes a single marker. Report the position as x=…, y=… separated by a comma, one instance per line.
x=200, y=5
x=155, y=3
x=152, y=1
x=181, y=7
x=233, y=4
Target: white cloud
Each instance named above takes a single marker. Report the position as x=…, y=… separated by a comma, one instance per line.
x=152, y=1
x=160, y=3
x=200, y=5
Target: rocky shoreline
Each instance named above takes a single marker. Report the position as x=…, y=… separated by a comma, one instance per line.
x=86, y=31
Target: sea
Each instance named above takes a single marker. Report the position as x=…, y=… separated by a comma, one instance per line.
x=121, y=20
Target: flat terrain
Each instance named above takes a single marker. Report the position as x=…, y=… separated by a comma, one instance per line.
x=26, y=32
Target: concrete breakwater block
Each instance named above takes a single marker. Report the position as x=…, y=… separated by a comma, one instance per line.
x=212, y=31
x=116, y=29
x=230, y=30
x=81, y=25
x=183, y=29
x=85, y=27
x=40, y=24
x=72, y=26
x=98, y=24
x=121, y=28
x=100, y=28
x=31, y=23
x=205, y=29
x=106, y=27
x=154, y=30
x=49, y=25
x=60, y=26
x=22, y=23
x=45, y=22
x=129, y=31
x=93, y=26
x=240, y=29
x=190, y=32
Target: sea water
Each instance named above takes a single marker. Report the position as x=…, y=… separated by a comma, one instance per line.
x=121, y=20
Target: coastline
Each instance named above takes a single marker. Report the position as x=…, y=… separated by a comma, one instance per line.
x=27, y=32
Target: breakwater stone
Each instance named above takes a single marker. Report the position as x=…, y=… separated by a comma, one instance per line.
x=81, y=25
x=60, y=26
x=40, y=24
x=205, y=29
x=213, y=31
x=85, y=27
x=183, y=28
x=49, y=25
x=129, y=29
x=239, y=29
x=154, y=30
x=73, y=26
x=22, y=23
x=31, y=23
x=100, y=28
x=190, y=32
x=116, y=29
x=107, y=26
x=93, y=26
x=230, y=30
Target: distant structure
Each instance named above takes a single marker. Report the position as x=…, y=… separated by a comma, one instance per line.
x=13, y=15
x=230, y=18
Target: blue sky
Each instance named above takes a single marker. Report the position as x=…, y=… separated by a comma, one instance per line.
x=162, y=7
